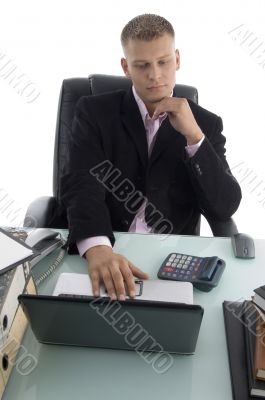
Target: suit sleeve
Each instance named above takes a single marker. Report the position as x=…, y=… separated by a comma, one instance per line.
x=218, y=193
x=83, y=195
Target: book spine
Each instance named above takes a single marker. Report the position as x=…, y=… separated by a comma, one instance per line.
x=259, y=357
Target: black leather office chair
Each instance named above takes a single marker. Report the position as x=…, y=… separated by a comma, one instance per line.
x=46, y=211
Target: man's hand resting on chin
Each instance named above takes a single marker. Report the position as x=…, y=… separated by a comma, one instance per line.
x=180, y=117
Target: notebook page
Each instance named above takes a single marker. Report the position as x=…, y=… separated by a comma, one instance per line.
x=11, y=251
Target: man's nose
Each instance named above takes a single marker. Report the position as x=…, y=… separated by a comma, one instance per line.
x=154, y=72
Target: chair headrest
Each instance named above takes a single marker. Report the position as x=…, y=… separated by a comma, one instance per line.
x=108, y=83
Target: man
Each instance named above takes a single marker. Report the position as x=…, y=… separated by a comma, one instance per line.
x=143, y=160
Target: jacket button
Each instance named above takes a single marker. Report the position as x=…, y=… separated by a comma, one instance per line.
x=198, y=170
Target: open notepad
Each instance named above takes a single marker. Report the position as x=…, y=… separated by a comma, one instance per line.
x=154, y=290
x=12, y=252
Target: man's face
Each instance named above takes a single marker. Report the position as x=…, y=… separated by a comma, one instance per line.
x=152, y=66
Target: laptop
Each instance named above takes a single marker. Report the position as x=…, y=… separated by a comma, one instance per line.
x=133, y=324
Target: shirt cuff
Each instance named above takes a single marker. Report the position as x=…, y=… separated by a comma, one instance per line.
x=86, y=244
x=192, y=148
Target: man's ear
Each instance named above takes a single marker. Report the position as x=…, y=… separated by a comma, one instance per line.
x=177, y=59
x=124, y=66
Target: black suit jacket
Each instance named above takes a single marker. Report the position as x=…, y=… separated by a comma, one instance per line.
x=109, y=172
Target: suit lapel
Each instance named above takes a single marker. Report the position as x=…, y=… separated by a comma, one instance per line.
x=132, y=120
x=168, y=136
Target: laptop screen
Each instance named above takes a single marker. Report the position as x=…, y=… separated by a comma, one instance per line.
x=132, y=324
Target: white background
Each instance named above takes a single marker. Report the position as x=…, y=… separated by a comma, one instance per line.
x=52, y=41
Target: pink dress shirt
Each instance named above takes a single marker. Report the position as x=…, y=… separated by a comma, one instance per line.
x=138, y=224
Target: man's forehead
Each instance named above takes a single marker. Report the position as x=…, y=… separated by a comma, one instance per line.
x=140, y=49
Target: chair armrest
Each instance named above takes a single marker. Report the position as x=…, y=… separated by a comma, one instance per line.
x=39, y=212
x=222, y=228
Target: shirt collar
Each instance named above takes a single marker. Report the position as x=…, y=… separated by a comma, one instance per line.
x=143, y=110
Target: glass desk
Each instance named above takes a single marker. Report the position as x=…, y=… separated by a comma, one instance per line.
x=82, y=373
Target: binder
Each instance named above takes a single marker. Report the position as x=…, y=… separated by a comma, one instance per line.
x=8, y=300
x=235, y=341
x=2, y=385
x=12, y=342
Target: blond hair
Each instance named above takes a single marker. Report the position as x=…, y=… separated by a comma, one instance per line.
x=146, y=27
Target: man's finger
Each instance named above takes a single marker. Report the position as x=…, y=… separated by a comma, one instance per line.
x=158, y=110
x=108, y=282
x=164, y=105
x=94, y=276
x=138, y=272
x=117, y=278
x=169, y=105
x=129, y=281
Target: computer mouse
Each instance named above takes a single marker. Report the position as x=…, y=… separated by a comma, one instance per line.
x=39, y=234
x=243, y=245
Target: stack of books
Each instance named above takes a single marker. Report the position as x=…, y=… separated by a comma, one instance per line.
x=245, y=336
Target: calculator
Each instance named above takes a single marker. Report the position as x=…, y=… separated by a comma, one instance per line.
x=203, y=272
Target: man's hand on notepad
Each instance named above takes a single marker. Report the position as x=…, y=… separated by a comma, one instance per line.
x=114, y=270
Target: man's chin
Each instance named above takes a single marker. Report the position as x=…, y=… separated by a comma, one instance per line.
x=156, y=99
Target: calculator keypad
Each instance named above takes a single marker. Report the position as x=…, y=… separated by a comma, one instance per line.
x=181, y=267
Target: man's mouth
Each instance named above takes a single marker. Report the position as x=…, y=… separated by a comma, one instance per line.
x=155, y=87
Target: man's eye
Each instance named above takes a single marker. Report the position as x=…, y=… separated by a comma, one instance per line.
x=162, y=62
x=141, y=66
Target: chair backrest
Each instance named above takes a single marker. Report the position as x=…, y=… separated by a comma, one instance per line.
x=72, y=89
